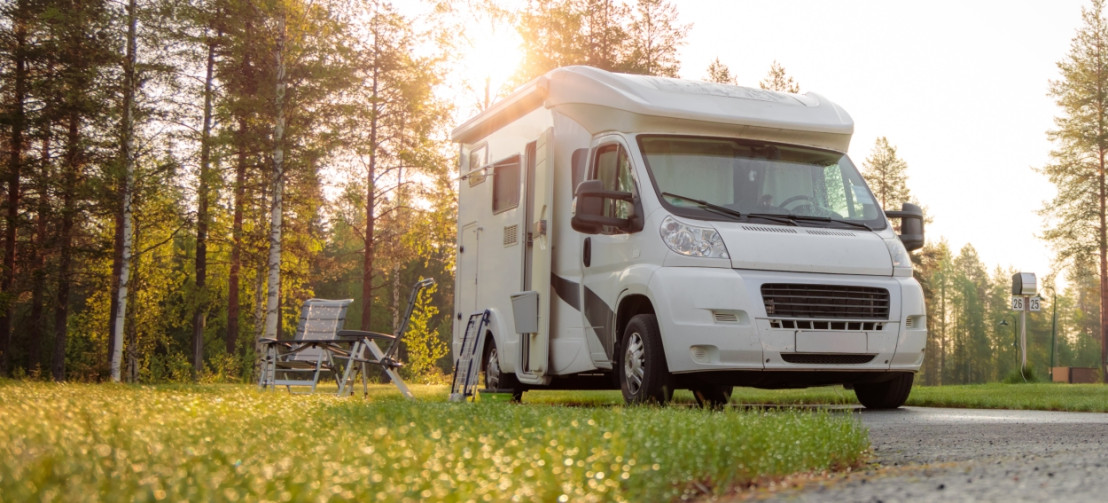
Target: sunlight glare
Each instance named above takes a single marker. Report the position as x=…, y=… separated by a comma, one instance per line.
x=493, y=56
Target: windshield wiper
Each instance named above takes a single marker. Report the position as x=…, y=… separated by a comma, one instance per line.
x=774, y=217
x=809, y=218
x=782, y=219
x=706, y=205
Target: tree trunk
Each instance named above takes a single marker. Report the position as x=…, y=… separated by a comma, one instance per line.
x=15, y=163
x=1102, y=239
x=37, y=323
x=199, y=315
x=71, y=170
x=370, y=202
x=236, y=239
x=1102, y=198
x=130, y=374
x=272, y=314
x=249, y=88
x=126, y=154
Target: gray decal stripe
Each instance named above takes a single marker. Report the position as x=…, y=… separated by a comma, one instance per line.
x=601, y=318
x=567, y=290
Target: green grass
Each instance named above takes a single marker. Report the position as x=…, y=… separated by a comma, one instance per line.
x=232, y=443
x=1029, y=396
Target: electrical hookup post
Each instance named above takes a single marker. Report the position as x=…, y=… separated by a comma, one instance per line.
x=1024, y=299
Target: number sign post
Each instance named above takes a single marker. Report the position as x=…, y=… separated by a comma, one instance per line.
x=1024, y=288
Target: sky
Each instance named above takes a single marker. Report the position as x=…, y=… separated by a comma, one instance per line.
x=958, y=87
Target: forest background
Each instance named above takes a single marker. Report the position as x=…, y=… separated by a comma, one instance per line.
x=180, y=175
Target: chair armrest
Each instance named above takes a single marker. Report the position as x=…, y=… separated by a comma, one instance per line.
x=363, y=333
x=274, y=342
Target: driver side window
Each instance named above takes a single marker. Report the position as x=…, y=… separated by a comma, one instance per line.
x=612, y=166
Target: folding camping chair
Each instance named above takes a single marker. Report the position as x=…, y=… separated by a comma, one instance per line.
x=312, y=351
x=366, y=352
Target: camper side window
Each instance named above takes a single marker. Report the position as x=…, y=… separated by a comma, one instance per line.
x=505, y=184
x=613, y=169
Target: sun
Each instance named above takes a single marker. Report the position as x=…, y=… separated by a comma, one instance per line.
x=493, y=55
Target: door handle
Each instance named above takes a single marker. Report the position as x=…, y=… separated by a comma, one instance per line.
x=586, y=253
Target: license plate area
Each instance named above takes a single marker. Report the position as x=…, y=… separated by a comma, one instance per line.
x=831, y=342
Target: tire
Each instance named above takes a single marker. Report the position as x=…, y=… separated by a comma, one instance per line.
x=888, y=394
x=643, y=374
x=496, y=379
x=713, y=396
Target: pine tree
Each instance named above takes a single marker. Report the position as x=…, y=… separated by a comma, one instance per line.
x=1077, y=218
x=887, y=175
x=606, y=34
x=656, y=36
x=778, y=80
x=719, y=73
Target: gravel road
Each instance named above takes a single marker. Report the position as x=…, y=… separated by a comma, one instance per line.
x=927, y=454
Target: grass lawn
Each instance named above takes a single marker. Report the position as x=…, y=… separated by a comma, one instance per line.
x=76, y=442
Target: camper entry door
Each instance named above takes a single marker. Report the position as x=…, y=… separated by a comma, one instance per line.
x=539, y=193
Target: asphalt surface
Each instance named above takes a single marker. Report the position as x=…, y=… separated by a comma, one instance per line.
x=928, y=454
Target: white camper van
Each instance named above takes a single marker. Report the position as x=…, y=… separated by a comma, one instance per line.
x=653, y=234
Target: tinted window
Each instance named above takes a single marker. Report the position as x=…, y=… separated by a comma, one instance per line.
x=505, y=184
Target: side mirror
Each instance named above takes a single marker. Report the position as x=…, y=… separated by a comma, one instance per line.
x=588, y=208
x=911, y=225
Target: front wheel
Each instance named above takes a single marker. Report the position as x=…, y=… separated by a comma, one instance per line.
x=888, y=394
x=643, y=374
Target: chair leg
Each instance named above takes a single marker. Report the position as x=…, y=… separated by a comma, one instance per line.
x=268, y=373
x=315, y=375
x=365, y=380
x=393, y=374
x=346, y=373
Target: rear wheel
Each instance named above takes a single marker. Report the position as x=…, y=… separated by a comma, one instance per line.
x=888, y=394
x=643, y=374
x=498, y=380
x=713, y=396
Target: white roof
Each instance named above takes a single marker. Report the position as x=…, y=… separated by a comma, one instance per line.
x=605, y=101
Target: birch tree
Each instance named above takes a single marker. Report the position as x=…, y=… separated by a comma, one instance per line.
x=126, y=157
x=272, y=316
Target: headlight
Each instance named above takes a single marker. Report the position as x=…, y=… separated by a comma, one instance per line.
x=902, y=262
x=693, y=241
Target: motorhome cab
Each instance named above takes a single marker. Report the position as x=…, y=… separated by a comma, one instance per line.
x=653, y=234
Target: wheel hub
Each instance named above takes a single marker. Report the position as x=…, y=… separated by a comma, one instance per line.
x=634, y=363
x=492, y=370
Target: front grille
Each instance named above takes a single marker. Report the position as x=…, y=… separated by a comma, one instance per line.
x=826, y=359
x=825, y=325
x=786, y=300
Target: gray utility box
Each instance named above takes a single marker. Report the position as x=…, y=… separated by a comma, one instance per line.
x=525, y=309
x=1023, y=283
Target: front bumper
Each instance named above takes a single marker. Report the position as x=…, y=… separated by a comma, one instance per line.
x=715, y=320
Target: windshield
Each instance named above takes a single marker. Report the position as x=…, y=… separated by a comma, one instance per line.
x=762, y=181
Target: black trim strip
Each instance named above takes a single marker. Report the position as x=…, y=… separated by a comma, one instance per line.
x=567, y=290
x=601, y=318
